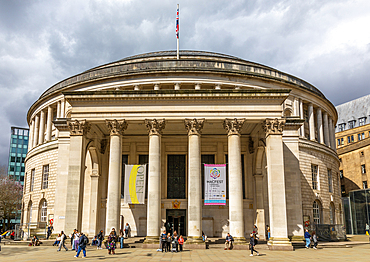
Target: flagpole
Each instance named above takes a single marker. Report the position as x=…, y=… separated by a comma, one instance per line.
x=178, y=32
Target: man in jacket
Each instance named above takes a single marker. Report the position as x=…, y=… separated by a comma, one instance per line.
x=229, y=242
x=100, y=239
x=83, y=241
x=63, y=238
x=307, y=236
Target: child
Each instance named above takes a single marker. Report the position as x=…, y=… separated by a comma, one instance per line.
x=57, y=240
x=181, y=242
x=314, y=238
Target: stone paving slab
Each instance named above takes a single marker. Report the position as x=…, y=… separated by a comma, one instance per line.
x=46, y=253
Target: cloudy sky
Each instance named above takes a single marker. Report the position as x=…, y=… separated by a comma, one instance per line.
x=42, y=42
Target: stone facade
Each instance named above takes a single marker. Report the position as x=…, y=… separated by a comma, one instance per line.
x=270, y=127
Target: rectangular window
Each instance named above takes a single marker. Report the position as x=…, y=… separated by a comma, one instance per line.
x=176, y=176
x=124, y=162
x=343, y=189
x=351, y=124
x=314, y=176
x=363, y=169
x=341, y=173
x=32, y=179
x=338, y=141
x=361, y=121
x=350, y=139
x=341, y=127
x=144, y=159
x=342, y=141
x=364, y=184
x=330, y=181
x=45, y=177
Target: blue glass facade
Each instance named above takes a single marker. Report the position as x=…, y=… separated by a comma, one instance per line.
x=17, y=153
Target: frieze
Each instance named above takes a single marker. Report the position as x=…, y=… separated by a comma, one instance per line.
x=194, y=126
x=155, y=126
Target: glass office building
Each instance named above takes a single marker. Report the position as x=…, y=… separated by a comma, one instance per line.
x=17, y=153
x=357, y=211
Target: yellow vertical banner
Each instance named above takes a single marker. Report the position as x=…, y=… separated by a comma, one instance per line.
x=134, y=190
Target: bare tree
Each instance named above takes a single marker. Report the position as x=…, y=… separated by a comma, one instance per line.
x=11, y=192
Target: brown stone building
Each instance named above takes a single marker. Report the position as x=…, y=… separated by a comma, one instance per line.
x=353, y=144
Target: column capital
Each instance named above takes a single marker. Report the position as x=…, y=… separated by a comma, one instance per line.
x=194, y=126
x=155, y=126
x=78, y=128
x=273, y=126
x=116, y=127
x=233, y=126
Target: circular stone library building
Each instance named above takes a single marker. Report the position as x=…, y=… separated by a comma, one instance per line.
x=274, y=132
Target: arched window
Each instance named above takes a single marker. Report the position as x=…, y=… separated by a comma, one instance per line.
x=332, y=213
x=316, y=212
x=43, y=211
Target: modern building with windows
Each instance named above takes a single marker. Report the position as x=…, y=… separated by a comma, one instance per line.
x=17, y=153
x=353, y=144
x=274, y=131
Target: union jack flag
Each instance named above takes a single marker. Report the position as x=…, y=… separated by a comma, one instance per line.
x=177, y=24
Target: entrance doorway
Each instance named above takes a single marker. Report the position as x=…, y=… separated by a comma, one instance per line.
x=175, y=221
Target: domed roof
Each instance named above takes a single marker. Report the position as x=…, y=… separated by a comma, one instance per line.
x=190, y=61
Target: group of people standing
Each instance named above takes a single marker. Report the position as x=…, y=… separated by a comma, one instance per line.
x=171, y=243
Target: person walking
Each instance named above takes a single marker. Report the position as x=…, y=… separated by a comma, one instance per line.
x=50, y=230
x=367, y=229
x=181, y=242
x=72, y=236
x=252, y=244
x=77, y=240
x=111, y=242
x=121, y=238
x=315, y=241
x=100, y=239
x=82, y=242
x=127, y=228
x=229, y=242
x=307, y=236
x=63, y=238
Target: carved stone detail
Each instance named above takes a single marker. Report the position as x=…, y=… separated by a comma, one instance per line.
x=194, y=126
x=116, y=127
x=233, y=126
x=155, y=126
x=273, y=126
x=78, y=128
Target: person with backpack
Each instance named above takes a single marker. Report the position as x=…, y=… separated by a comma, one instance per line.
x=63, y=238
x=83, y=241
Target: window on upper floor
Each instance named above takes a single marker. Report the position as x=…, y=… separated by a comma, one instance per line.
x=341, y=173
x=364, y=184
x=32, y=179
x=362, y=121
x=341, y=127
x=314, y=176
x=330, y=181
x=351, y=124
x=316, y=212
x=361, y=136
x=350, y=139
x=363, y=169
x=45, y=177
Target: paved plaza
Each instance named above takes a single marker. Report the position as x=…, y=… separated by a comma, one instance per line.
x=49, y=253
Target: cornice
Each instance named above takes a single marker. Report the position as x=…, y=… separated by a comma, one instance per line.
x=305, y=143
x=47, y=146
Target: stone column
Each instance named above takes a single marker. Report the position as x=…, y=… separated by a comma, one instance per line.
x=236, y=210
x=320, y=131
x=76, y=171
x=62, y=108
x=194, y=127
x=311, y=122
x=58, y=116
x=331, y=134
x=30, y=136
x=116, y=128
x=36, y=131
x=48, y=123
x=155, y=128
x=42, y=127
x=326, y=129
x=276, y=184
x=301, y=116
